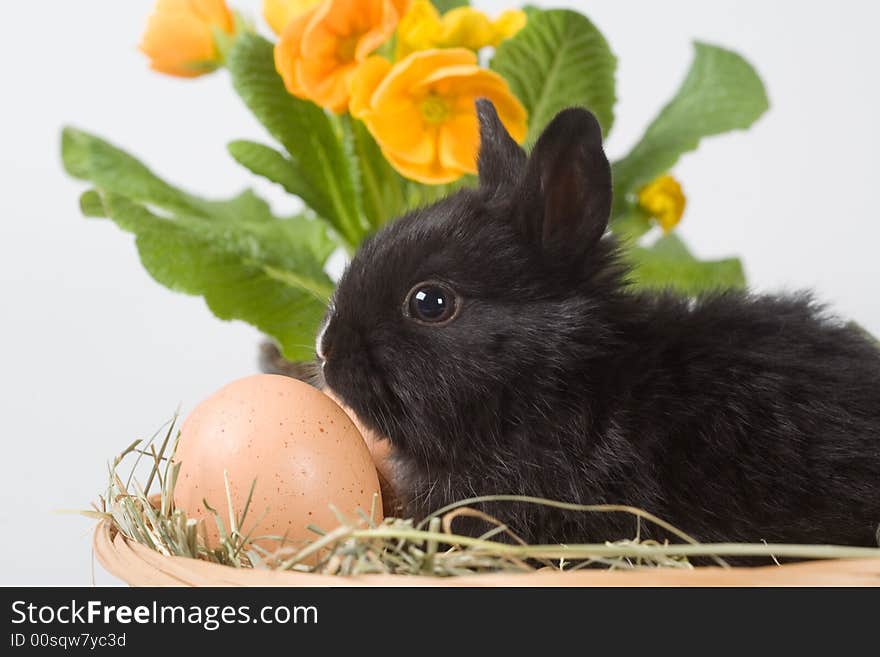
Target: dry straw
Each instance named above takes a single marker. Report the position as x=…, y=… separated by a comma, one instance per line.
x=146, y=515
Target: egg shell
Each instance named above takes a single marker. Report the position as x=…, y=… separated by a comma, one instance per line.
x=380, y=448
x=298, y=444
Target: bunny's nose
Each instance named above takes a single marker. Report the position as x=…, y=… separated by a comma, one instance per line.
x=338, y=340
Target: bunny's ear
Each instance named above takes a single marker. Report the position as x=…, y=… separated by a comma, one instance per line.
x=565, y=200
x=501, y=159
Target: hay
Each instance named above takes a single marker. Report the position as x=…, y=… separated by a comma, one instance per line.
x=363, y=545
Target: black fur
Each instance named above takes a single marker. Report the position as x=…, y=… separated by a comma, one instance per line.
x=735, y=417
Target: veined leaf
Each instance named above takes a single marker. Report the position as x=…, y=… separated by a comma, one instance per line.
x=246, y=263
x=111, y=169
x=268, y=163
x=246, y=205
x=88, y=157
x=382, y=189
x=668, y=264
x=305, y=130
x=722, y=92
x=557, y=60
x=249, y=271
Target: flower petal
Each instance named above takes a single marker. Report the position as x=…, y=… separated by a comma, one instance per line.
x=465, y=27
x=381, y=31
x=463, y=85
x=179, y=44
x=416, y=67
x=664, y=200
x=507, y=24
x=418, y=28
x=346, y=17
x=278, y=13
x=287, y=53
x=422, y=112
x=214, y=13
x=491, y=86
x=332, y=39
x=459, y=142
x=458, y=78
x=364, y=83
x=431, y=173
x=401, y=130
x=319, y=38
x=326, y=84
x=402, y=6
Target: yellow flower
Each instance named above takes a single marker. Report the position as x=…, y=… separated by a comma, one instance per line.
x=422, y=112
x=181, y=36
x=418, y=28
x=321, y=49
x=423, y=28
x=664, y=200
x=278, y=13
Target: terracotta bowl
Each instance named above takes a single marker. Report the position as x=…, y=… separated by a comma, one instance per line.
x=138, y=565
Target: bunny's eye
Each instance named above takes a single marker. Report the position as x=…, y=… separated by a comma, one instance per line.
x=431, y=303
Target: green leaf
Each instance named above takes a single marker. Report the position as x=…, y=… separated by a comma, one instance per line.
x=111, y=169
x=867, y=334
x=265, y=161
x=382, y=189
x=259, y=272
x=91, y=158
x=668, y=264
x=91, y=205
x=445, y=5
x=722, y=92
x=246, y=263
x=246, y=205
x=630, y=226
x=557, y=60
x=306, y=132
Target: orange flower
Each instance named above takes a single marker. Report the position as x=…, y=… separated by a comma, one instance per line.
x=422, y=113
x=321, y=49
x=278, y=13
x=181, y=36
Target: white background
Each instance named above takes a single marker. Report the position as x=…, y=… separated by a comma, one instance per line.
x=94, y=353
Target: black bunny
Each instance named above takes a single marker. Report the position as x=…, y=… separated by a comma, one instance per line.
x=492, y=337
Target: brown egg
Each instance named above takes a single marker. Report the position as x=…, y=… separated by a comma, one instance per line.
x=300, y=447
x=380, y=448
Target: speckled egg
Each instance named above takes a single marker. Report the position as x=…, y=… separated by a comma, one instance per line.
x=380, y=449
x=299, y=446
